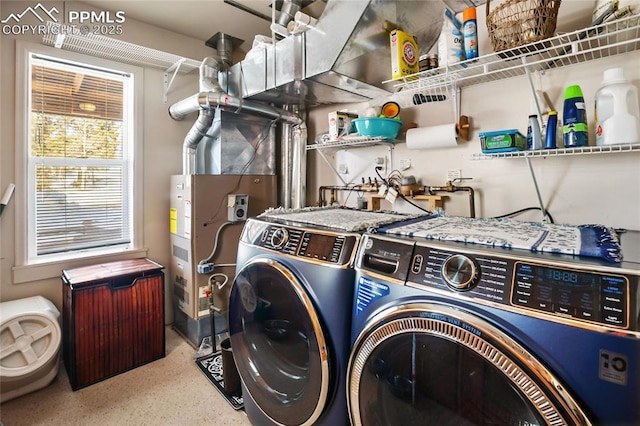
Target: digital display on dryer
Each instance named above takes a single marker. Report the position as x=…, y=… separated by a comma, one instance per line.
x=594, y=297
x=321, y=246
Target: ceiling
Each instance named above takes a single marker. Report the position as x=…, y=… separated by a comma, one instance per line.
x=200, y=19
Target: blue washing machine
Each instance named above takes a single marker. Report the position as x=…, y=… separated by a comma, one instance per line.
x=289, y=322
x=290, y=312
x=460, y=334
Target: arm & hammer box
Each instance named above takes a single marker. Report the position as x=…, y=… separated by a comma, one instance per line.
x=404, y=54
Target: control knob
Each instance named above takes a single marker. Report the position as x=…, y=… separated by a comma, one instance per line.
x=279, y=238
x=459, y=272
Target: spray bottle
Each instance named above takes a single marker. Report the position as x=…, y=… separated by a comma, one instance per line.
x=470, y=31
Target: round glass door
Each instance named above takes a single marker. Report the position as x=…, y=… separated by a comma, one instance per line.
x=435, y=365
x=278, y=344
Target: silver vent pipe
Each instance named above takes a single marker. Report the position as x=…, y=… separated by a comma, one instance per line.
x=201, y=129
x=293, y=168
x=208, y=75
x=224, y=47
x=288, y=11
x=299, y=167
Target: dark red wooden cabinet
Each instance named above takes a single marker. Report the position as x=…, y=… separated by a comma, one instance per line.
x=113, y=319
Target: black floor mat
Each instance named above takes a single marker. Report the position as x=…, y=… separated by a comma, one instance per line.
x=211, y=366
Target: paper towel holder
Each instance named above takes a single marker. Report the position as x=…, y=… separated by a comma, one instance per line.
x=462, y=127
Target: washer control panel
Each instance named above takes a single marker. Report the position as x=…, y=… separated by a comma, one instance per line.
x=585, y=295
x=318, y=245
x=567, y=291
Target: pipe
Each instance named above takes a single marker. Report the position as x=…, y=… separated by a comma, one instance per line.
x=212, y=99
x=299, y=165
x=472, y=205
x=285, y=178
x=450, y=187
x=208, y=75
x=198, y=131
x=334, y=188
x=293, y=167
x=224, y=47
x=205, y=160
x=288, y=11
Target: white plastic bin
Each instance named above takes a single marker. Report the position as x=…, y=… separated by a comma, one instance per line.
x=30, y=339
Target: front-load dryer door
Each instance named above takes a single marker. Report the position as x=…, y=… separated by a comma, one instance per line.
x=428, y=364
x=278, y=343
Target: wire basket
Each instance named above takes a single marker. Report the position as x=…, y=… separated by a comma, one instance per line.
x=514, y=23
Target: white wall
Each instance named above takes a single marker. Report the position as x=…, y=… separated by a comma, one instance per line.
x=162, y=147
x=599, y=188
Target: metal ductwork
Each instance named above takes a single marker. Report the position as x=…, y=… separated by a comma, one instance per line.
x=211, y=98
x=236, y=136
x=345, y=58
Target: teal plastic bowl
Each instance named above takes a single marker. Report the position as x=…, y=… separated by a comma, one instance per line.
x=377, y=127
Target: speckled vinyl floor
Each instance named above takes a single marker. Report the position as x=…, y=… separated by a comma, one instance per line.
x=169, y=391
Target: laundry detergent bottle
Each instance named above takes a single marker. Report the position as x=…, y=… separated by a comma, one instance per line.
x=617, y=114
x=574, y=118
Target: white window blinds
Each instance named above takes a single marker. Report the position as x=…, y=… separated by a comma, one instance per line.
x=79, y=159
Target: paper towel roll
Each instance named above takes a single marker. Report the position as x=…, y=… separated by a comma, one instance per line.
x=444, y=136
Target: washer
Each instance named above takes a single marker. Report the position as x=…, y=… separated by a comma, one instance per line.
x=290, y=313
x=454, y=333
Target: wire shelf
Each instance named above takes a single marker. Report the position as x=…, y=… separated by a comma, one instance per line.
x=608, y=149
x=71, y=38
x=350, y=142
x=613, y=38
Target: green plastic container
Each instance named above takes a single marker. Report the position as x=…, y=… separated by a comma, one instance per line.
x=502, y=141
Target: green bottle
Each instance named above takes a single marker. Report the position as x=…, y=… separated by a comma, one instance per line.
x=574, y=118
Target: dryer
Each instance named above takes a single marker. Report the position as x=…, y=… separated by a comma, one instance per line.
x=454, y=333
x=290, y=313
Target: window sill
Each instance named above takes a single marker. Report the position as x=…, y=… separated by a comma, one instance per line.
x=44, y=271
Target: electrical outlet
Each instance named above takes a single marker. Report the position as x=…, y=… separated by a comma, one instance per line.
x=405, y=164
x=342, y=169
x=381, y=162
x=454, y=174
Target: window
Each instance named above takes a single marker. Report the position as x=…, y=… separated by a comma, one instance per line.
x=79, y=158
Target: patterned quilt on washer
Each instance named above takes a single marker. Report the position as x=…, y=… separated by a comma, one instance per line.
x=583, y=240
x=340, y=218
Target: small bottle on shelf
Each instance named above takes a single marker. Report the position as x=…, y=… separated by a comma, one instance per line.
x=551, y=132
x=470, y=33
x=534, y=137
